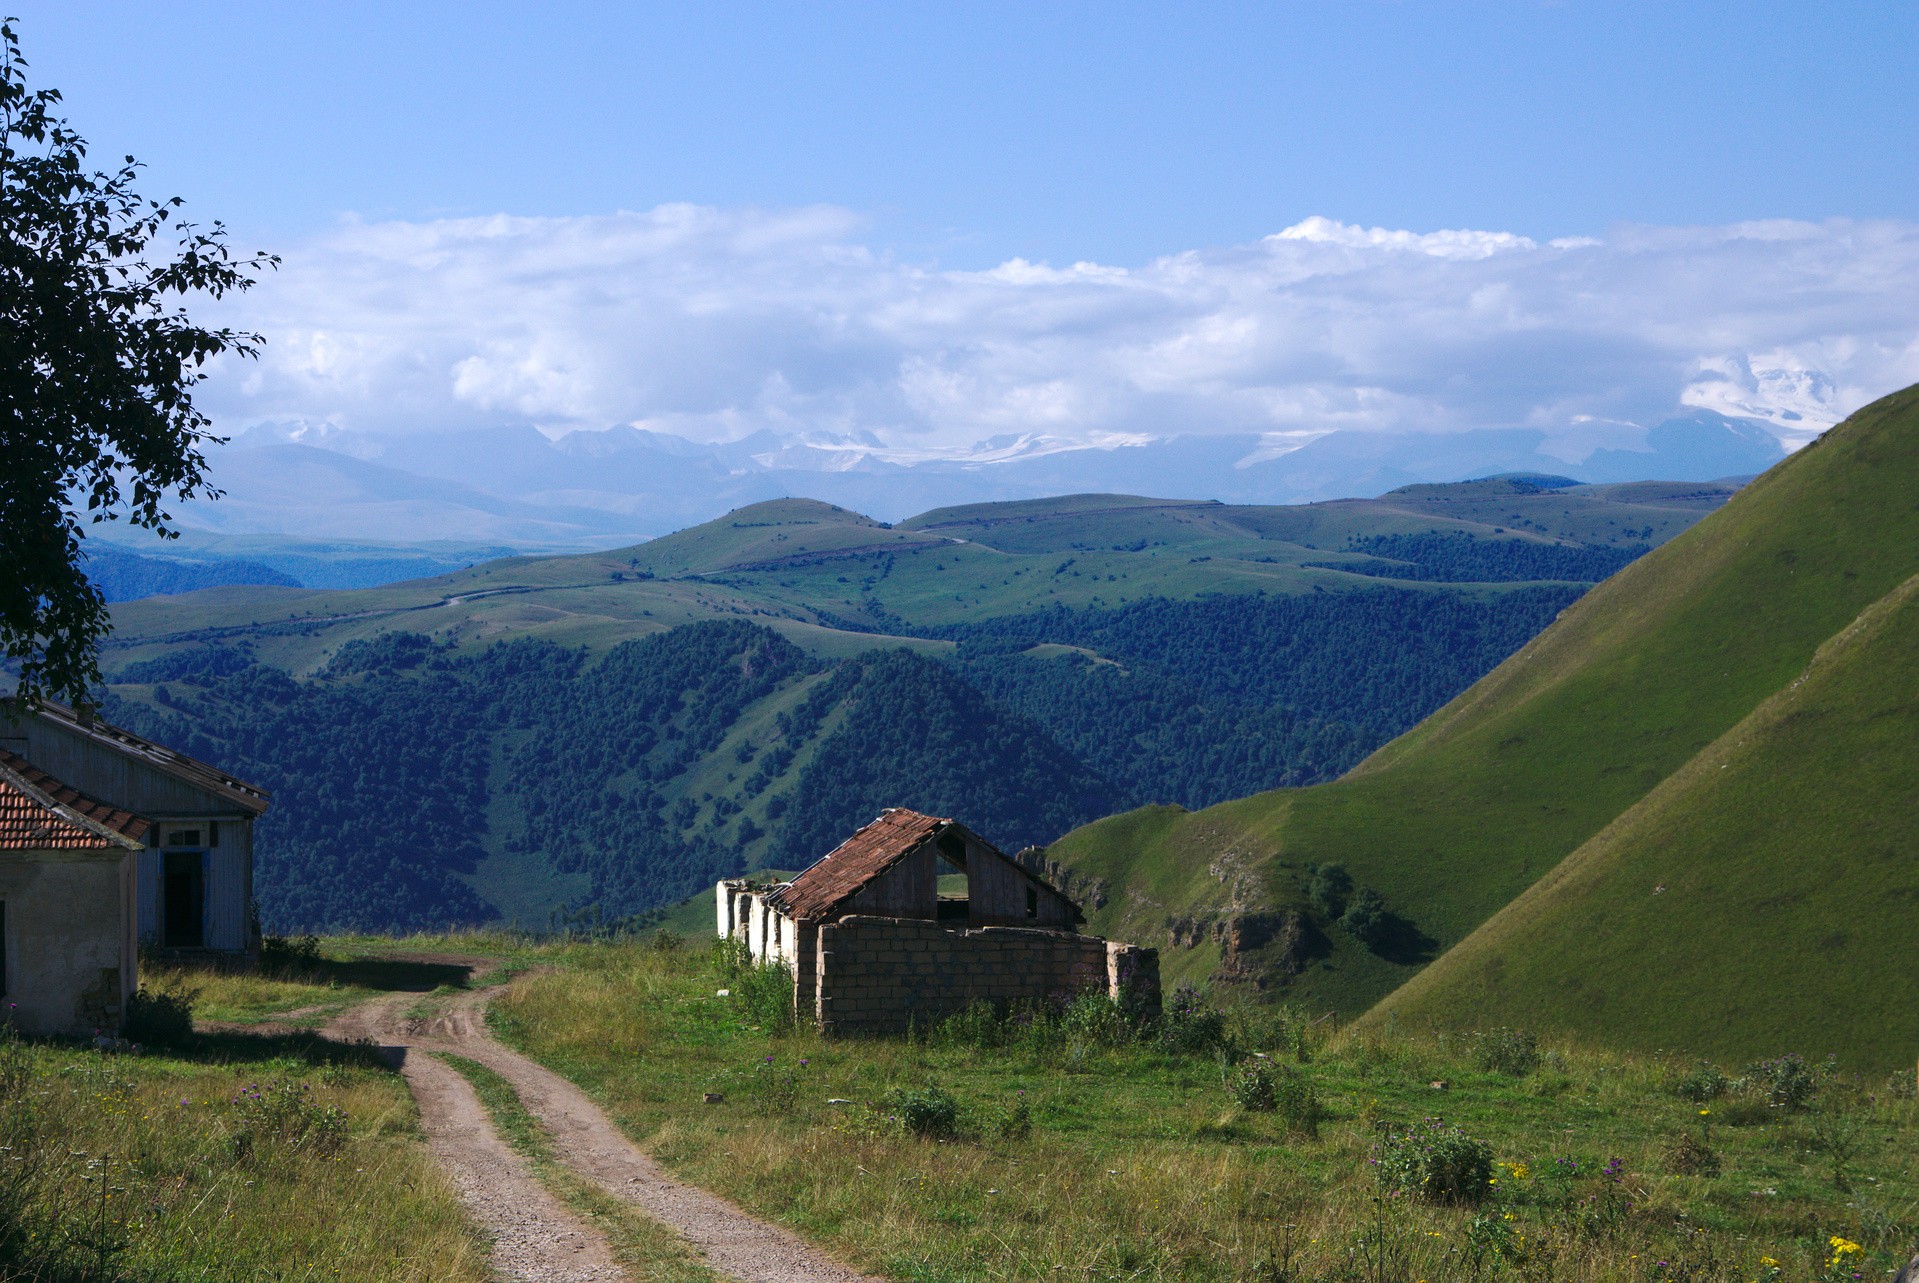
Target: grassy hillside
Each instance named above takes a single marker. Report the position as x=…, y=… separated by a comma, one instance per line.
x=549, y=734
x=1457, y=817
x=831, y=580
x=1067, y=1145
x=1758, y=898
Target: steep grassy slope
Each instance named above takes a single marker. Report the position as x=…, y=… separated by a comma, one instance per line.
x=1455, y=818
x=1759, y=900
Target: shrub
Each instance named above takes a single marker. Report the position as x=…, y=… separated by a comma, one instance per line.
x=1702, y=1083
x=1434, y=1161
x=765, y=992
x=1253, y=1086
x=283, y=1112
x=283, y=955
x=1295, y=1101
x=1506, y=1051
x=1093, y=1018
x=979, y=1024
x=1690, y=1154
x=1017, y=1122
x=165, y=1019
x=1328, y=890
x=1785, y=1082
x=927, y=1112
x=1365, y=917
x=1188, y=1025
x=777, y=1088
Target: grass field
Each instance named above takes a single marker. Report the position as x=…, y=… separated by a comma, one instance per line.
x=1071, y=1150
x=233, y=1159
x=1455, y=819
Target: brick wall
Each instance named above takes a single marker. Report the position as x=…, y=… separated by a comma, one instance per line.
x=879, y=974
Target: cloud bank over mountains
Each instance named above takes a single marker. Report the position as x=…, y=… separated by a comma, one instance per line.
x=714, y=324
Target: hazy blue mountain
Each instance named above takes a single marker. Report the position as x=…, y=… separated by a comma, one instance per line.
x=125, y=576
x=515, y=486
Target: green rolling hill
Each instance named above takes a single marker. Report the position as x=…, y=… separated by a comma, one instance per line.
x=1759, y=899
x=1455, y=819
x=601, y=733
x=832, y=581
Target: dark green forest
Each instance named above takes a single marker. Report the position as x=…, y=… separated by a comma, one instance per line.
x=639, y=776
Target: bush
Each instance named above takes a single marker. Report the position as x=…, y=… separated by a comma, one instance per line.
x=1189, y=1026
x=979, y=1025
x=1689, y=1154
x=1295, y=1101
x=1704, y=1082
x=1253, y=1086
x=1017, y=1122
x=1365, y=918
x=1328, y=890
x=1506, y=1051
x=766, y=995
x=1785, y=1082
x=777, y=1088
x=165, y=1019
x=283, y=1112
x=1093, y=1018
x=283, y=955
x=1434, y=1161
x=926, y=1112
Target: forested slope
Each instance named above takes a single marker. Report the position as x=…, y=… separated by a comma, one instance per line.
x=602, y=734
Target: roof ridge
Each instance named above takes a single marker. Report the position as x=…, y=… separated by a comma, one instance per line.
x=190, y=770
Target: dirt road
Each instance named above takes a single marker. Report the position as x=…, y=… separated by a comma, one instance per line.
x=537, y=1238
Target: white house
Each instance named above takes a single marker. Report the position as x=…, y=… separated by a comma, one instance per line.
x=193, y=877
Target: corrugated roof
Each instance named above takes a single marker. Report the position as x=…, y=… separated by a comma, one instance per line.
x=855, y=862
x=39, y=813
x=181, y=767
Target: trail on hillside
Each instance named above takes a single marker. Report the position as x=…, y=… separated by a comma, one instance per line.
x=734, y=1242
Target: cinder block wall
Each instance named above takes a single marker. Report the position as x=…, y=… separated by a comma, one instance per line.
x=880, y=974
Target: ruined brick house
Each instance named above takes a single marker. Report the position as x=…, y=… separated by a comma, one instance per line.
x=916, y=917
x=109, y=842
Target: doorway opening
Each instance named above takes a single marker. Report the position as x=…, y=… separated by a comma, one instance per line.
x=183, y=900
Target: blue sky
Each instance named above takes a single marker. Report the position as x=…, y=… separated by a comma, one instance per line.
x=934, y=224
x=977, y=132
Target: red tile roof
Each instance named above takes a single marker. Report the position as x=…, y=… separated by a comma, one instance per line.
x=852, y=864
x=39, y=813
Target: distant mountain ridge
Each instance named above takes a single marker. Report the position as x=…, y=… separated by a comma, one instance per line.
x=514, y=485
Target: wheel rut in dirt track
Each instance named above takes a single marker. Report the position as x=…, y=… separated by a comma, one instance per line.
x=536, y=1238
x=733, y=1242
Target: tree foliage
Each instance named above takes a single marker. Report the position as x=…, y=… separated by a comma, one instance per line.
x=97, y=366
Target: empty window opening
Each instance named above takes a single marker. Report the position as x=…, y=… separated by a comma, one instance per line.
x=955, y=900
x=1032, y=902
x=183, y=900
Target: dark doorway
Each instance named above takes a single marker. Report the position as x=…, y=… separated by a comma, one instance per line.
x=184, y=898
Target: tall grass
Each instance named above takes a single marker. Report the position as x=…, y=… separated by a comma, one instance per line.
x=153, y=1169
x=1134, y=1161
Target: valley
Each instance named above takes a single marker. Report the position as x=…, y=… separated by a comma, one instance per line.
x=594, y=736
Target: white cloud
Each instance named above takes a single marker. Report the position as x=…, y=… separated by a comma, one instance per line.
x=718, y=322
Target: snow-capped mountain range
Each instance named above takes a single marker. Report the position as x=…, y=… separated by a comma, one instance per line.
x=515, y=485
